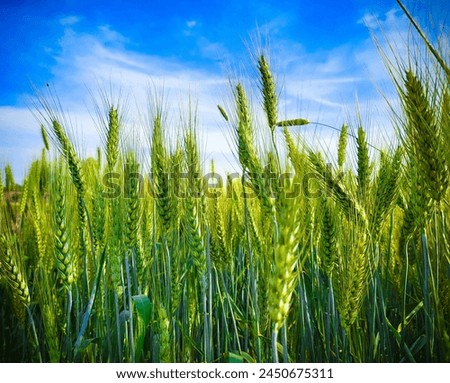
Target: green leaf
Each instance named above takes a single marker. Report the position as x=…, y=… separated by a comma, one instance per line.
x=238, y=357
x=231, y=357
x=143, y=307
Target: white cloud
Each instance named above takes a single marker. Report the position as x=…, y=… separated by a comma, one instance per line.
x=212, y=50
x=191, y=28
x=191, y=23
x=16, y=119
x=110, y=35
x=69, y=20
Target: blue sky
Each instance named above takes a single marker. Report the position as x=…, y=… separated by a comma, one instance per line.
x=321, y=51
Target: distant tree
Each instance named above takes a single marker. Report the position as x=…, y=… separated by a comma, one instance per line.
x=9, y=178
x=1, y=186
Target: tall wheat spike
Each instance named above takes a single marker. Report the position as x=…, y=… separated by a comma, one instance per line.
x=44, y=174
x=39, y=227
x=176, y=184
x=160, y=175
x=194, y=201
x=424, y=139
x=24, y=197
x=385, y=191
x=100, y=211
x=248, y=156
x=112, y=141
x=222, y=112
x=364, y=167
x=61, y=234
x=74, y=165
x=219, y=252
x=426, y=159
x=244, y=132
x=285, y=270
x=45, y=138
x=353, y=273
x=342, y=146
x=268, y=90
x=132, y=195
x=293, y=122
x=329, y=251
x=284, y=273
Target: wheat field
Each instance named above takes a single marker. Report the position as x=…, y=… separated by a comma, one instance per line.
x=294, y=259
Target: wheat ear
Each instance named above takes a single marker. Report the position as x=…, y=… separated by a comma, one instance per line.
x=62, y=247
x=112, y=140
x=268, y=90
x=14, y=274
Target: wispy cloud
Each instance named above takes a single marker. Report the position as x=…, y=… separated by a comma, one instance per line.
x=213, y=50
x=191, y=28
x=191, y=23
x=69, y=20
x=107, y=34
